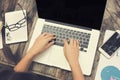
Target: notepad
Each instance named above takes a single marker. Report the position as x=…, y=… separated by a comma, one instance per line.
x=16, y=27
x=109, y=69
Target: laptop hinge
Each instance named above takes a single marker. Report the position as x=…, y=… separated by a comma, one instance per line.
x=66, y=24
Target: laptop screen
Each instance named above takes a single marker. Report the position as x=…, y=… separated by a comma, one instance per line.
x=88, y=13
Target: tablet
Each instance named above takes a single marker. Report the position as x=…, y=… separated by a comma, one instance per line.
x=111, y=45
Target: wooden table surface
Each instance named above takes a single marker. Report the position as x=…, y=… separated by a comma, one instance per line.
x=111, y=21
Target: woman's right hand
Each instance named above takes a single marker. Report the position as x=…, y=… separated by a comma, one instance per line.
x=71, y=51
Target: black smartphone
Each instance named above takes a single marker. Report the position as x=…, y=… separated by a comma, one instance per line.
x=111, y=45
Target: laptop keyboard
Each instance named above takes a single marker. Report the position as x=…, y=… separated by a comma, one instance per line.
x=63, y=33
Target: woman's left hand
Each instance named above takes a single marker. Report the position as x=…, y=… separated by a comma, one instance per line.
x=43, y=42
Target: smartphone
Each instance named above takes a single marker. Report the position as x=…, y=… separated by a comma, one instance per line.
x=111, y=45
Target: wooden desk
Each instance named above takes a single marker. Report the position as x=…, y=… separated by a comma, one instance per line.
x=111, y=21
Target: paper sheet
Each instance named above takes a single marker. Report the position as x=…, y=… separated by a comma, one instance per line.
x=19, y=24
x=1, y=25
x=1, y=44
x=109, y=69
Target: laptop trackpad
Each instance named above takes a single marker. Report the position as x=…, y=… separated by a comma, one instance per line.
x=53, y=56
x=58, y=59
x=44, y=57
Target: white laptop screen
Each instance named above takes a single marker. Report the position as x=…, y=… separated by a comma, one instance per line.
x=88, y=13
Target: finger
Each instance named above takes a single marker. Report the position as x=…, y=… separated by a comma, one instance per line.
x=44, y=34
x=74, y=43
x=65, y=42
x=71, y=42
x=49, y=35
x=65, y=45
x=50, y=38
x=78, y=44
x=50, y=44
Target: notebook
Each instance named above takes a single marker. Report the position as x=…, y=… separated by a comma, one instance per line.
x=16, y=27
x=76, y=19
x=108, y=69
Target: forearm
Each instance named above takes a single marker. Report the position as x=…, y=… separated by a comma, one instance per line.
x=41, y=44
x=24, y=64
x=76, y=71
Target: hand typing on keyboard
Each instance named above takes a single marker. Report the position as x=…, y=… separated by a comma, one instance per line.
x=62, y=33
x=43, y=42
x=71, y=52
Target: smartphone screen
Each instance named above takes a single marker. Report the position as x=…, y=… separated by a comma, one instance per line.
x=112, y=44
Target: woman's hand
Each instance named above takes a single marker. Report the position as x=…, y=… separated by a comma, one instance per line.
x=43, y=42
x=71, y=51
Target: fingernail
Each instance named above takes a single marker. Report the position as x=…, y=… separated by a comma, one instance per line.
x=54, y=35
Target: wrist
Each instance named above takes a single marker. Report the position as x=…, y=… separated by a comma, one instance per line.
x=74, y=63
x=30, y=55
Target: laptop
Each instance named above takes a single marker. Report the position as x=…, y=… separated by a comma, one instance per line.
x=78, y=19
